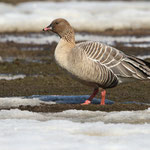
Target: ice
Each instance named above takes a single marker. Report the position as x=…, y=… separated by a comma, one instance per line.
x=69, y=99
x=83, y=16
x=58, y=133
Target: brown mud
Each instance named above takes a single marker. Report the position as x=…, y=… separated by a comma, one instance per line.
x=46, y=108
x=44, y=77
x=109, y=32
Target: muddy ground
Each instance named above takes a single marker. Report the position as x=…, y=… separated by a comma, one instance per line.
x=44, y=77
x=44, y=108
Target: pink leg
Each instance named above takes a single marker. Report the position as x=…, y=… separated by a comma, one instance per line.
x=103, y=94
x=88, y=101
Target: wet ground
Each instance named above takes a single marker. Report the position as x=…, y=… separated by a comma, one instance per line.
x=46, y=108
x=44, y=77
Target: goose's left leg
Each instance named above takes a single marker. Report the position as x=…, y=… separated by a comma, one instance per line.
x=88, y=101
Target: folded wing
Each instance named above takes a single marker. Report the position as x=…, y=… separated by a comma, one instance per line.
x=115, y=62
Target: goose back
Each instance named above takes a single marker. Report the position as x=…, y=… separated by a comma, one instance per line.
x=114, y=66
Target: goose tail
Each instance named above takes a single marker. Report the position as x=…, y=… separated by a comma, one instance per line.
x=147, y=70
x=142, y=67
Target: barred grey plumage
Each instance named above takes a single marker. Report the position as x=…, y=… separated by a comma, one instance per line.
x=94, y=63
x=115, y=66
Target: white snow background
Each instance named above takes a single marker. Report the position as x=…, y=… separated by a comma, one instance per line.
x=83, y=16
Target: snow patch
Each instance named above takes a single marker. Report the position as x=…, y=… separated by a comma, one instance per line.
x=11, y=77
x=38, y=38
x=126, y=117
x=83, y=16
x=25, y=134
x=143, y=56
x=7, y=102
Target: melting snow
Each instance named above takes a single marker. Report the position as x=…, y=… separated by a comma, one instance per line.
x=72, y=129
x=38, y=38
x=11, y=77
x=89, y=16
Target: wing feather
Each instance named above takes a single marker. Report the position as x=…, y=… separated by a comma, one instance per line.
x=115, y=61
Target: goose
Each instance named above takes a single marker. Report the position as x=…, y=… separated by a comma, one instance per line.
x=93, y=63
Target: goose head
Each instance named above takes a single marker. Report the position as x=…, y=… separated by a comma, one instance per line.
x=59, y=26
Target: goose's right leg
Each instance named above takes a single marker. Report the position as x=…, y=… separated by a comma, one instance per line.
x=88, y=101
x=103, y=94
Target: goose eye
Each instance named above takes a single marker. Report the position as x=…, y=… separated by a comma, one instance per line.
x=56, y=22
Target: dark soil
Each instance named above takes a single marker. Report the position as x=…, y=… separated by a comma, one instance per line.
x=44, y=77
x=45, y=108
x=63, y=85
x=21, y=51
